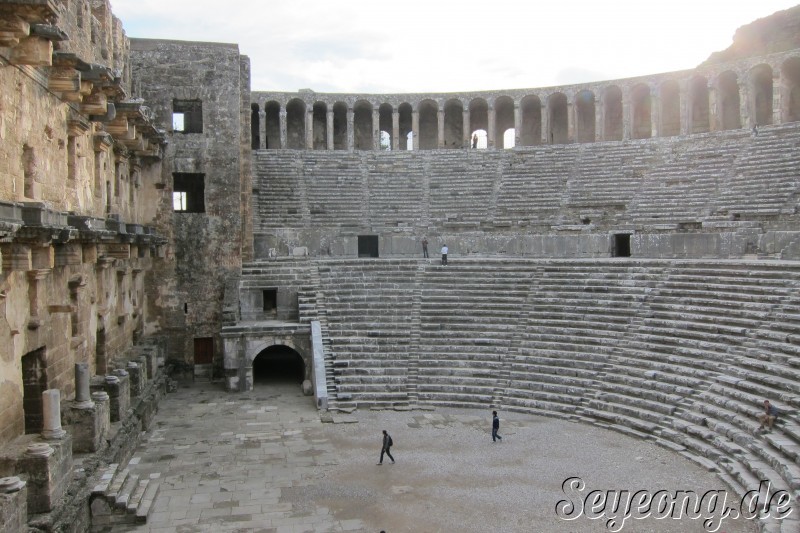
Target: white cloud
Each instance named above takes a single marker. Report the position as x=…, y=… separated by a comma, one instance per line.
x=438, y=45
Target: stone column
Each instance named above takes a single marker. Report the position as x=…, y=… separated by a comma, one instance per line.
x=599, y=122
x=685, y=107
x=545, y=124
x=329, y=129
x=490, y=129
x=777, y=98
x=714, y=113
x=744, y=104
x=517, y=124
x=572, y=110
x=51, y=406
x=627, y=119
x=83, y=398
x=655, y=112
x=13, y=505
x=395, y=130
x=466, y=134
x=440, y=132
x=310, y=128
x=415, y=130
x=376, y=129
x=282, y=126
x=351, y=134
x=136, y=376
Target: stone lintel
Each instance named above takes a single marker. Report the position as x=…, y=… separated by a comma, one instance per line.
x=33, y=51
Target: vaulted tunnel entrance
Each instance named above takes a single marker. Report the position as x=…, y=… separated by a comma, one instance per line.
x=278, y=365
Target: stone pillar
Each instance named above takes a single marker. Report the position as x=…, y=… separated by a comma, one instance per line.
x=655, y=112
x=351, y=133
x=517, y=124
x=777, y=98
x=440, y=129
x=714, y=113
x=627, y=119
x=490, y=129
x=310, y=128
x=467, y=134
x=282, y=126
x=51, y=407
x=376, y=129
x=136, y=377
x=572, y=110
x=89, y=425
x=329, y=129
x=118, y=389
x=599, y=119
x=744, y=104
x=415, y=130
x=13, y=505
x=686, y=108
x=545, y=124
x=83, y=399
x=49, y=470
x=395, y=130
x=262, y=130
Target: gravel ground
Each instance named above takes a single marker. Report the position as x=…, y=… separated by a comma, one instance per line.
x=264, y=461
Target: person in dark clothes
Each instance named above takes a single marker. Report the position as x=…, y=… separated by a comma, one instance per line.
x=387, y=444
x=424, y=247
x=495, y=427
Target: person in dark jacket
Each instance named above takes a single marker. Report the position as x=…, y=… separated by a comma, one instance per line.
x=495, y=427
x=387, y=444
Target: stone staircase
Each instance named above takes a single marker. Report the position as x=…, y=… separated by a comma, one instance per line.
x=121, y=497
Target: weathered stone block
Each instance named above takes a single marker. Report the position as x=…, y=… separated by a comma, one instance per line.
x=14, y=511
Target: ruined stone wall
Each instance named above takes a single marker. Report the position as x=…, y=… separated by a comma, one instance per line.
x=79, y=166
x=207, y=245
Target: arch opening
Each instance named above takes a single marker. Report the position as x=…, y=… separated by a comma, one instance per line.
x=612, y=114
x=670, y=109
x=479, y=139
x=558, y=121
x=278, y=364
x=405, y=125
x=585, y=119
x=503, y=121
x=296, y=124
x=641, y=122
x=698, y=105
x=362, y=125
x=531, y=131
x=272, y=125
x=428, y=125
x=320, y=126
x=385, y=126
x=761, y=90
x=453, y=124
x=478, y=121
x=340, y=126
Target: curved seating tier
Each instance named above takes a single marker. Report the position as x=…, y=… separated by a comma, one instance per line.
x=678, y=352
x=676, y=180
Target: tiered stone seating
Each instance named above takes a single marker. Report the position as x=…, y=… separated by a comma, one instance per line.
x=461, y=188
x=286, y=274
x=765, y=180
x=576, y=315
x=396, y=190
x=684, y=187
x=607, y=175
x=681, y=353
x=280, y=198
x=532, y=185
x=368, y=304
x=335, y=187
x=469, y=313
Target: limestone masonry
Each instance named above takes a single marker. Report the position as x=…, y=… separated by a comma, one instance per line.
x=623, y=253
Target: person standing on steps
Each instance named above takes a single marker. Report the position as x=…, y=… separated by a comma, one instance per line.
x=495, y=427
x=444, y=255
x=387, y=444
x=425, y=247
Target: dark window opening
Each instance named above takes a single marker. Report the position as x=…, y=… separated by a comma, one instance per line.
x=34, y=383
x=188, y=193
x=187, y=116
x=367, y=246
x=270, y=297
x=622, y=245
x=203, y=350
x=278, y=364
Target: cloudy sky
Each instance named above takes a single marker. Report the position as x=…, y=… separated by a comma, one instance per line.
x=443, y=45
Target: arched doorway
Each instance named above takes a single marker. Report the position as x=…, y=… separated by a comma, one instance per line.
x=278, y=365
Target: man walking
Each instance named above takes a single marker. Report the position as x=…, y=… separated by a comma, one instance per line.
x=444, y=255
x=387, y=444
x=495, y=427
x=425, y=247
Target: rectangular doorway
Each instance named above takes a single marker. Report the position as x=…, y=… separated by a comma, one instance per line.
x=203, y=358
x=367, y=246
x=34, y=383
x=622, y=245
